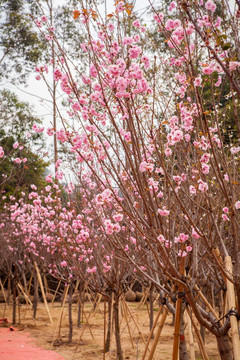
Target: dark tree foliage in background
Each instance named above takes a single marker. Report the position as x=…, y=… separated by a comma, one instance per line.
x=20, y=45
x=16, y=120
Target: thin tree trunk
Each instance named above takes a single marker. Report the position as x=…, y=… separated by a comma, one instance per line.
x=108, y=339
x=183, y=353
x=117, y=329
x=151, y=300
x=70, y=320
x=35, y=296
x=14, y=291
x=224, y=347
x=79, y=305
x=9, y=290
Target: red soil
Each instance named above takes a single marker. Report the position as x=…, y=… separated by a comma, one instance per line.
x=15, y=345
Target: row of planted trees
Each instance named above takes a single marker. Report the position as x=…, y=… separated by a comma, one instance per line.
x=153, y=140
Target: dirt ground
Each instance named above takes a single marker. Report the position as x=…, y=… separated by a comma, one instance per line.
x=88, y=338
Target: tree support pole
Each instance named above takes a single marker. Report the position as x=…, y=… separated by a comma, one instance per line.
x=43, y=292
x=158, y=333
x=232, y=306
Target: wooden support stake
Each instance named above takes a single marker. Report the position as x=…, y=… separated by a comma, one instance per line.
x=59, y=283
x=178, y=312
x=216, y=252
x=199, y=338
x=104, y=330
x=130, y=313
x=157, y=336
x=84, y=327
x=206, y=302
x=87, y=323
x=143, y=299
x=58, y=328
x=18, y=306
x=232, y=306
x=45, y=283
x=3, y=291
x=25, y=295
x=43, y=292
x=126, y=319
x=30, y=283
x=151, y=332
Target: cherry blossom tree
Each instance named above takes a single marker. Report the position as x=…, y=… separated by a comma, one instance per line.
x=158, y=182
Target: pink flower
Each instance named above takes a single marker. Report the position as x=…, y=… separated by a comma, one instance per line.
x=168, y=152
x=177, y=136
x=48, y=37
x=38, y=23
x=192, y=190
x=93, y=71
x=198, y=81
x=91, y=270
x=133, y=240
x=226, y=210
x=18, y=161
x=210, y=5
x=120, y=6
x=111, y=26
x=118, y=217
x=1, y=152
x=114, y=70
x=205, y=168
x=158, y=17
x=170, y=25
x=128, y=41
x=63, y=263
x=161, y=238
x=188, y=248
x=218, y=83
x=136, y=24
x=134, y=52
x=76, y=106
x=172, y=6
x=237, y=205
x=182, y=238
x=233, y=65
x=51, y=29
x=57, y=75
x=195, y=234
x=50, y=132
x=144, y=166
x=207, y=70
x=163, y=211
x=235, y=150
x=182, y=253
x=225, y=217
x=205, y=158
x=203, y=186
x=49, y=179
x=145, y=61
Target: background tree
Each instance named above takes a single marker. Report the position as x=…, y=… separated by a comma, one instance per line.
x=21, y=165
